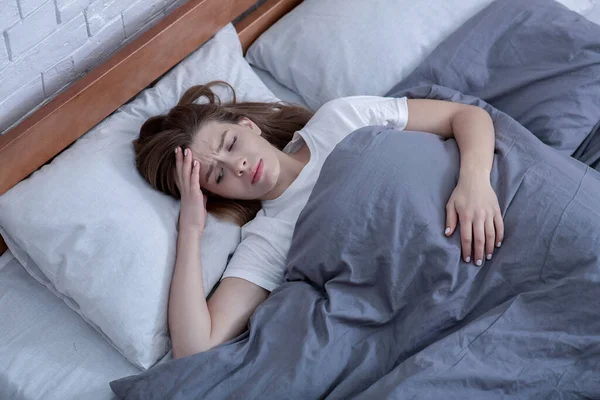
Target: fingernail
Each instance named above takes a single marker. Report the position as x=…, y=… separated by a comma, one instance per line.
x=195, y=162
x=185, y=152
x=175, y=150
x=489, y=257
x=499, y=244
x=468, y=259
x=447, y=231
x=479, y=262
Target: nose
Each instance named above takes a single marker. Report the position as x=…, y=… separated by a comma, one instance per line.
x=241, y=166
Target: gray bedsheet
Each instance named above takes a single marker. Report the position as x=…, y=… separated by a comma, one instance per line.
x=377, y=302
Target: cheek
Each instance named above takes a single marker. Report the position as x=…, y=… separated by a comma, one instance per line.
x=227, y=190
x=210, y=188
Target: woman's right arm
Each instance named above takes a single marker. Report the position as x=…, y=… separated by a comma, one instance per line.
x=196, y=325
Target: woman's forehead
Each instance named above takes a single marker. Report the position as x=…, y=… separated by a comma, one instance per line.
x=208, y=138
x=209, y=130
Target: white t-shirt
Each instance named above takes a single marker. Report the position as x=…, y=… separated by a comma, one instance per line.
x=261, y=255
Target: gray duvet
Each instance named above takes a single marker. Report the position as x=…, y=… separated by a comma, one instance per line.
x=377, y=302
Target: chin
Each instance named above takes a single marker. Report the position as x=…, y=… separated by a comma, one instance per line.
x=268, y=182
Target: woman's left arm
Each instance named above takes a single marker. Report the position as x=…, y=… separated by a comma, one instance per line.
x=473, y=202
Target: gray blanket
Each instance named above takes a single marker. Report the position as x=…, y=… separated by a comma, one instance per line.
x=377, y=302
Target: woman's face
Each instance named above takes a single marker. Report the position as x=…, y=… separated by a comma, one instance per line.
x=235, y=161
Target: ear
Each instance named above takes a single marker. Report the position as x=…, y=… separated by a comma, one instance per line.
x=247, y=122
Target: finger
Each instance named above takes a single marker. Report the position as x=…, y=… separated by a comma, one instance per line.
x=178, y=163
x=479, y=240
x=490, y=238
x=195, y=177
x=499, y=224
x=186, y=169
x=466, y=238
x=451, y=219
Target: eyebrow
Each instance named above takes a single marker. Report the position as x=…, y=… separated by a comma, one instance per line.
x=210, y=169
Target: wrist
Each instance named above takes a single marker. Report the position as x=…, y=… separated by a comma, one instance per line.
x=191, y=231
x=471, y=172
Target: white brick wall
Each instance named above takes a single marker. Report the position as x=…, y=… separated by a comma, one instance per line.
x=29, y=6
x=45, y=45
x=28, y=32
x=9, y=14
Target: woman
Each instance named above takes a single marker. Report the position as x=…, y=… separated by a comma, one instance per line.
x=257, y=164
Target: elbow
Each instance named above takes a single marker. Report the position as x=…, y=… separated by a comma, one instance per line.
x=468, y=116
x=469, y=112
x=478, y=112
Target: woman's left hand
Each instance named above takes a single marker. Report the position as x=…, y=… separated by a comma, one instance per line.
x=476, y=205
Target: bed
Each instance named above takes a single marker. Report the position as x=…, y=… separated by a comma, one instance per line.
x=57, y=341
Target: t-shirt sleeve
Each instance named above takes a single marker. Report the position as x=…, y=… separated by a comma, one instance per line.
x=374, y=110
x=339, y=117
x=260, y=257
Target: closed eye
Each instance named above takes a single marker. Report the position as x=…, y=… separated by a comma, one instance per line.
x=220, y=175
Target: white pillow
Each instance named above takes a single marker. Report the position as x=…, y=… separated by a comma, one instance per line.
x=328, y=49
x=90, y=228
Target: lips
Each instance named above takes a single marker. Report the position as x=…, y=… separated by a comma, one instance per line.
x=257, y=171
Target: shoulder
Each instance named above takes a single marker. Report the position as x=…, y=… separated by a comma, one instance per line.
x=364, y=106
x=341, y=103
x=358, y=101
x=342, y=108
x=332, y=106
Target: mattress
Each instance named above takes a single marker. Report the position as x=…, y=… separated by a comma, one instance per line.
x=47, y=351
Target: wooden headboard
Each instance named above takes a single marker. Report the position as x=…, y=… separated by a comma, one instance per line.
x=53, y=127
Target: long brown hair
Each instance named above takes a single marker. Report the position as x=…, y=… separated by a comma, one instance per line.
x=160, y=135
